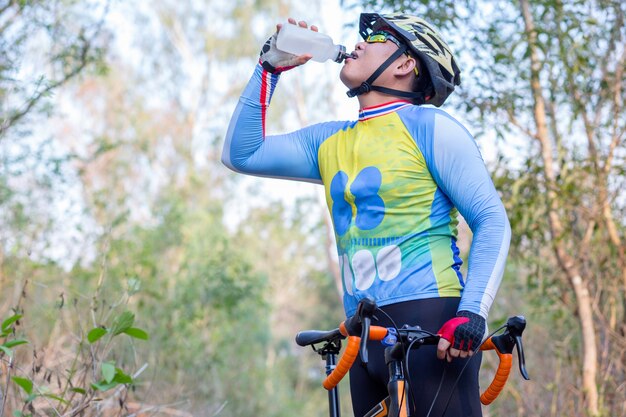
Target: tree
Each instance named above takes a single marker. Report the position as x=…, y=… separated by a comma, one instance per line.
x=69, y=37
x=140, y=153
x=554, y=70
x=43, y=46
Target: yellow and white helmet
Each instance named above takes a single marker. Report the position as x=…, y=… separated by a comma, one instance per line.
x=425, y=43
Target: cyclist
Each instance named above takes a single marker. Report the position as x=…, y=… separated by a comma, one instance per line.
x=395, y=180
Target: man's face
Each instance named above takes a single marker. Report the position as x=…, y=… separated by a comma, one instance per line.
x=370, y=55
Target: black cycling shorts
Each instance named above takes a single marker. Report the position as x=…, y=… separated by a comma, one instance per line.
x=368, y=385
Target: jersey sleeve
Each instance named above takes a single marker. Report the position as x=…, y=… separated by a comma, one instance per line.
x=289, y=156
x=456, y=164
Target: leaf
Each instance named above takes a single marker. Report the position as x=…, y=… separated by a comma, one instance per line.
x=78, y=390
x=17, y=342
x=6, y=351
x=8, y=322
x=56, y=397
x=96, y=333
x=103, y=385
x=122, y=378
x=134, y=285
x=108, y=371
x=136, y=333
x=123, y=322
x=25, y=383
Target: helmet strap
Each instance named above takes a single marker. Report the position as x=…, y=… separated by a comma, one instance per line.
x=366, y=86
x=416, y=97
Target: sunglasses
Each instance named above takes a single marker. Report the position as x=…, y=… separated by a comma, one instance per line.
x=381, y=37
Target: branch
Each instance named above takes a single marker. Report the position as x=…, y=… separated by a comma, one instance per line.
x=7, y=6
x=617, y=109
x=605, y=61
x=578, y=102
x=586, y=240
x=8, y=380
x=5, y=124
x=612, y=229
x=11, y=19
x=80, y=409
x=518, y=125
x=41, y=392
x=551, y=108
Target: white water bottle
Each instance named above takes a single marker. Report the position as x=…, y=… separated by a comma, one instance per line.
x=296, y=40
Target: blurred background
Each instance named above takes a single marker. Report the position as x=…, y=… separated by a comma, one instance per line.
x=138, y=276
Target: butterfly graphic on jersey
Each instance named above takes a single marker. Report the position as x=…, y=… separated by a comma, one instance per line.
x=368, y=206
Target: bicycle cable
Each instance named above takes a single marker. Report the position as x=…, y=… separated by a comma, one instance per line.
x=458, y=378
x=405, y=365
x=443, y=377
x=408, y=374
x=404, y=354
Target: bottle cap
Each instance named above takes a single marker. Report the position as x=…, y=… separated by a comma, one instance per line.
x=341, y=55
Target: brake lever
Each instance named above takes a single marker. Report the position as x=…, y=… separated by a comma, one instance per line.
x=365, y=311
x=516, y=326
x=365, y=334
x=503, y=344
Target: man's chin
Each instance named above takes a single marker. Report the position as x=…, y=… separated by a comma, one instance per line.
x=349, y=83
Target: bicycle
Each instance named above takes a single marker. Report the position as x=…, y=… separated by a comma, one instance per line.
x=399, y=342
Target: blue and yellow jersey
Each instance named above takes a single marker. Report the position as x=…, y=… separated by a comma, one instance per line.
x=395, y=180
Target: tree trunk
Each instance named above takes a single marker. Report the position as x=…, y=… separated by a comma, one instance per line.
x=590, y=351
x=607, y=216
x=567, y=262
x=618, y=138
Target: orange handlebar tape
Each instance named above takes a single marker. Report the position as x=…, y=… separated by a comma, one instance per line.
x=502, y=374
x=350, y=354
x=488, y=345
x=377, y=333
x=345, y=363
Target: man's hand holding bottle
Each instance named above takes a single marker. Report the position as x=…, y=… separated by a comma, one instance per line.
x=276, y=61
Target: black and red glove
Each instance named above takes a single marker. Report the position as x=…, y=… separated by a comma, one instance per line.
x=274, y=60
x=464, y=332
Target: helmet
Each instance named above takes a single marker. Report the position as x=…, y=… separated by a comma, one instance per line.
x=424, y=43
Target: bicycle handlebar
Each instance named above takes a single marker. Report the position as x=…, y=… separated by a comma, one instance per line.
x=503, y=345
x=352, y=350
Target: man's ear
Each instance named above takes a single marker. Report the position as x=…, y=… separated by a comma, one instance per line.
x=406, y=66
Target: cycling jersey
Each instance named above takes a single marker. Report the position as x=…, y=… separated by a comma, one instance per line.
x=394, y=180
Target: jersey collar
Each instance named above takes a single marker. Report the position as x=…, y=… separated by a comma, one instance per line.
x=382, y=109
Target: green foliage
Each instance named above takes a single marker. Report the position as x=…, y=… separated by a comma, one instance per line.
x=440, y=13
x=122, y=324
x=71, y=380
x=96, y=333
x=218, y=307
x=571, y=99
x=7, y=329
x=7, y=325
x=112, y=376
x=24, y=383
